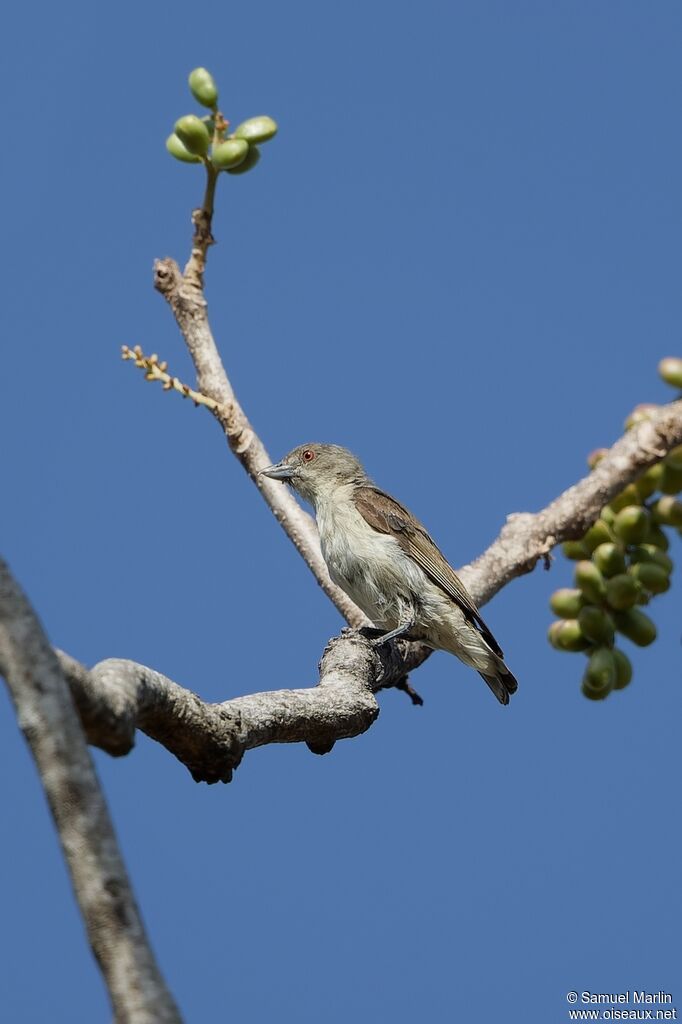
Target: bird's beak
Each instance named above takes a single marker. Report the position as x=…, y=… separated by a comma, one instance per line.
x=280, y=471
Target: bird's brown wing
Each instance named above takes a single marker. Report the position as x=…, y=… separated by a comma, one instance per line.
x=386, y=515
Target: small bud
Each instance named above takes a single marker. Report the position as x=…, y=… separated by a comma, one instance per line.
x=566, y=603
x=229, y=153
x=203, y=88
x=193, y=134
x=636, y=626
x=596, y=624
x=256, y=129
x=640, y=413
x=670, y=369
x=590, y=581
x=595, y=457
x=609, y=559
x=176, y=149
x=622, y=592
x=623, y=669
x=632, y=524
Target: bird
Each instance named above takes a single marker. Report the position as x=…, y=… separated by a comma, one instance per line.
x=379, y=554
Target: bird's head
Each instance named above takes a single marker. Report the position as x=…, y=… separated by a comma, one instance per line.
x=316, y=470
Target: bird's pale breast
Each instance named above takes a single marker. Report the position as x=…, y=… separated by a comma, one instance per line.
x=369, y=566
x=388, y=585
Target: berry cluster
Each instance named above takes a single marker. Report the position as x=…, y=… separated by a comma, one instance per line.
x=622, y=563
x=197, y=140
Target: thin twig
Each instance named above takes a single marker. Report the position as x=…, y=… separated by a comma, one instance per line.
x=185, y=297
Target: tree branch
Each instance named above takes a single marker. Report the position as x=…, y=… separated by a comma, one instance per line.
x=116, y=696
x=525, y=538
x=211, y=739
x=50, y=725
x=185, y=297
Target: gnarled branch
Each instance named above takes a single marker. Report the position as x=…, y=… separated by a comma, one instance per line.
x=116, y=697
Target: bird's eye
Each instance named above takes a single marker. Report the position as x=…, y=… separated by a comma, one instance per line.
x=308, y=455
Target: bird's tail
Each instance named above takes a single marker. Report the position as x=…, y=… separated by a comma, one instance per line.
x=500, y=680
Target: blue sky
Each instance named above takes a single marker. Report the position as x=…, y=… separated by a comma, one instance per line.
x=460, y=258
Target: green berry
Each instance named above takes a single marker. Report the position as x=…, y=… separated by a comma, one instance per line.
x=652, y=577
x=623, y=669
x=567, y=636
x=575, y=550
x=566, y=603
x=600, y=674
x=229, y=154
x=590, y=581
x=609, y=559
x=203, y=88
x=667, y=510
x=649, y=482
x=598, y=533
x=622, y=592
x=593, y=692
x=670, y=370
x=596, y=624
x=671, y=478
x=252, y=158
x=193, y=133
x=674, y=458
x=176, y=149
x=636, y=626
x=256, y=129
x=629, y=496
x=651, y=553
x=657, y=537
x=632, y=524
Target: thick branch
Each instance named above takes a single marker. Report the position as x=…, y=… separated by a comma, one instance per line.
x=50, y=725
x=211, y=739
x=116, y=696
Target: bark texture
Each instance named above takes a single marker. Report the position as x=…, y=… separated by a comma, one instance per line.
x=51, y=726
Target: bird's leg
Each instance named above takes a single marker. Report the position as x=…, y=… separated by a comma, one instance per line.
x=400, y=630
